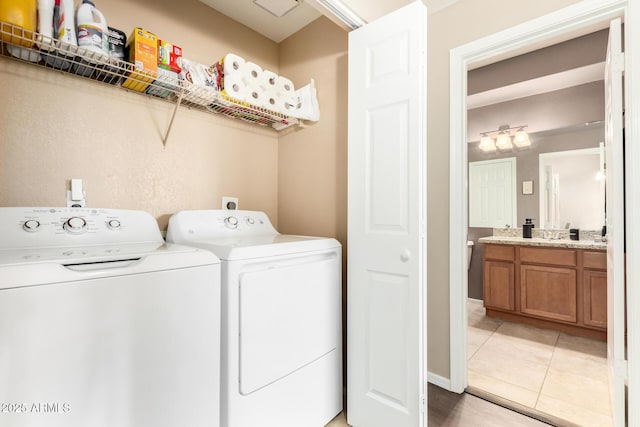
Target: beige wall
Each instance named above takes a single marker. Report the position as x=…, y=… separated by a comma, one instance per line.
x=54, y=127
x=312, y=161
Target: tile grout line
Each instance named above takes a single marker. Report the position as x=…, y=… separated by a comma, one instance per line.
x=546, y=373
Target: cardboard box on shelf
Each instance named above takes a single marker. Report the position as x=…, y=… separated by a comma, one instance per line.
x=142, y=49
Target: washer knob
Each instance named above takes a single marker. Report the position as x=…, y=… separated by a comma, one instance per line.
x=251, y=221
x=75, y=225
x=31, y=225
x=231, y=222
x=114, y=224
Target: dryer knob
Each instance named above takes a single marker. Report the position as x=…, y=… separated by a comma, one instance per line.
x=75, y=225
x=114, y=224
x=231, y=222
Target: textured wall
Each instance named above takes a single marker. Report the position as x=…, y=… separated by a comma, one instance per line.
x=57, y=127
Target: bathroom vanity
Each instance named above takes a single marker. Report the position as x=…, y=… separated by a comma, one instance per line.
x=554, y=284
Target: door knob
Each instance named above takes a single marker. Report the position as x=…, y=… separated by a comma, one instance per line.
x=405, y=255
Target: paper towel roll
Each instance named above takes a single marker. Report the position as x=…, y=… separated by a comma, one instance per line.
x=232, y=64
x=268, y=80
x=284, y=87
x=235, y=87
x=270, y=100
x=286, y=104
x=252, y=73
x=255, y=95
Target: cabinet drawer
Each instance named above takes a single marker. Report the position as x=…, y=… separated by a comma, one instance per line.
x=594, y=259
x=564, y=257
x=500, y=252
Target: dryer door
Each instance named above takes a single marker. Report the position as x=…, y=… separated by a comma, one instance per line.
x=289, y=316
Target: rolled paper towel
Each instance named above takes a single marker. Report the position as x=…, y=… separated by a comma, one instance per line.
x=270, y=101
x=268, y=80
x=255, y=94
x=284, y=87
x=286, y=104
x=235, y=87
x=232, y=64
x=252, y=73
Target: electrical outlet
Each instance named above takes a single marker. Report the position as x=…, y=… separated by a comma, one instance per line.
x=229, y=203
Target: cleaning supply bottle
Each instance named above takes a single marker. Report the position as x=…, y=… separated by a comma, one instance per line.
x=65, y=34
x=93, y=39
x=22, y=14
x=93, y=32
x=527, y=228
x=45, y=24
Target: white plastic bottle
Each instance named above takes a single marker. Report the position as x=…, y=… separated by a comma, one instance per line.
x=93, y=32
x=65, y=34
x=45, y=24
x=66, y=29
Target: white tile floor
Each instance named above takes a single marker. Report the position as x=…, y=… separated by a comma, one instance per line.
x=555, y=373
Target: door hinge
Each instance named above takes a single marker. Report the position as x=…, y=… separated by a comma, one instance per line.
x=422, y=404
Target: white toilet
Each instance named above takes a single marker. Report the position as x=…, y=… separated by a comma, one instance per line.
x=469, y=251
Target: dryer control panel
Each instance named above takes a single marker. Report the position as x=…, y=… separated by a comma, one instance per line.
x=54, y=227
x=213, y=224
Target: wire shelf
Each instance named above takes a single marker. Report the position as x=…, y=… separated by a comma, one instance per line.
x=36, y=49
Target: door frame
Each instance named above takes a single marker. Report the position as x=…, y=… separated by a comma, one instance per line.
x=580, y=17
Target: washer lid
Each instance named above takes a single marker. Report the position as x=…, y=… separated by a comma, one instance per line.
x=28, y=267
x=235, y=248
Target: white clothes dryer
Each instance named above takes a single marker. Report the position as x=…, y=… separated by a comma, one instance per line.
x=281, y=362
x=102, y=324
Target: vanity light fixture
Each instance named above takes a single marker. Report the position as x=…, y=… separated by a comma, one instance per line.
x=504, y=140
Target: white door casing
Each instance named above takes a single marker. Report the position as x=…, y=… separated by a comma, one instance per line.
x=492, y=193
x=386, y=283
x=614, y=67
x=579, y=17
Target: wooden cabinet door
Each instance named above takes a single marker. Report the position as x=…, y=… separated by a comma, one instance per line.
x=549, y=292
x=595, y=298
x=499, y=285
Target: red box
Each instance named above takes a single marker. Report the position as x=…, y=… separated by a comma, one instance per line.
x=168, y=55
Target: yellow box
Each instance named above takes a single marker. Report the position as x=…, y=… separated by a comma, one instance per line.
x=142, y=48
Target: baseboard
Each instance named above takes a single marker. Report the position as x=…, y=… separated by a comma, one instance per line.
x=439, y=380
x=475, y=301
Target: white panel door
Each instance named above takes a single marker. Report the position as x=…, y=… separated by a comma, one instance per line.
x=615, y=221
x=492, y=193
x=387, y=221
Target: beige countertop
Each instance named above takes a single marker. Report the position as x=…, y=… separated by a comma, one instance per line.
x=536, y=241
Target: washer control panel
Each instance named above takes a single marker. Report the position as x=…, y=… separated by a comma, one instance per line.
x=50, y=227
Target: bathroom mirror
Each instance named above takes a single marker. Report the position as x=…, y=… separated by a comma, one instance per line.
x=572, y=189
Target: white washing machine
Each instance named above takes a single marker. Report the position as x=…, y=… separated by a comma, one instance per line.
x=103, y=324
x=281, y=360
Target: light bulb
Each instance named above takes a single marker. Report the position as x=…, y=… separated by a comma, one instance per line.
x=521, y=139
x=486, y=143
x=503, y=141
